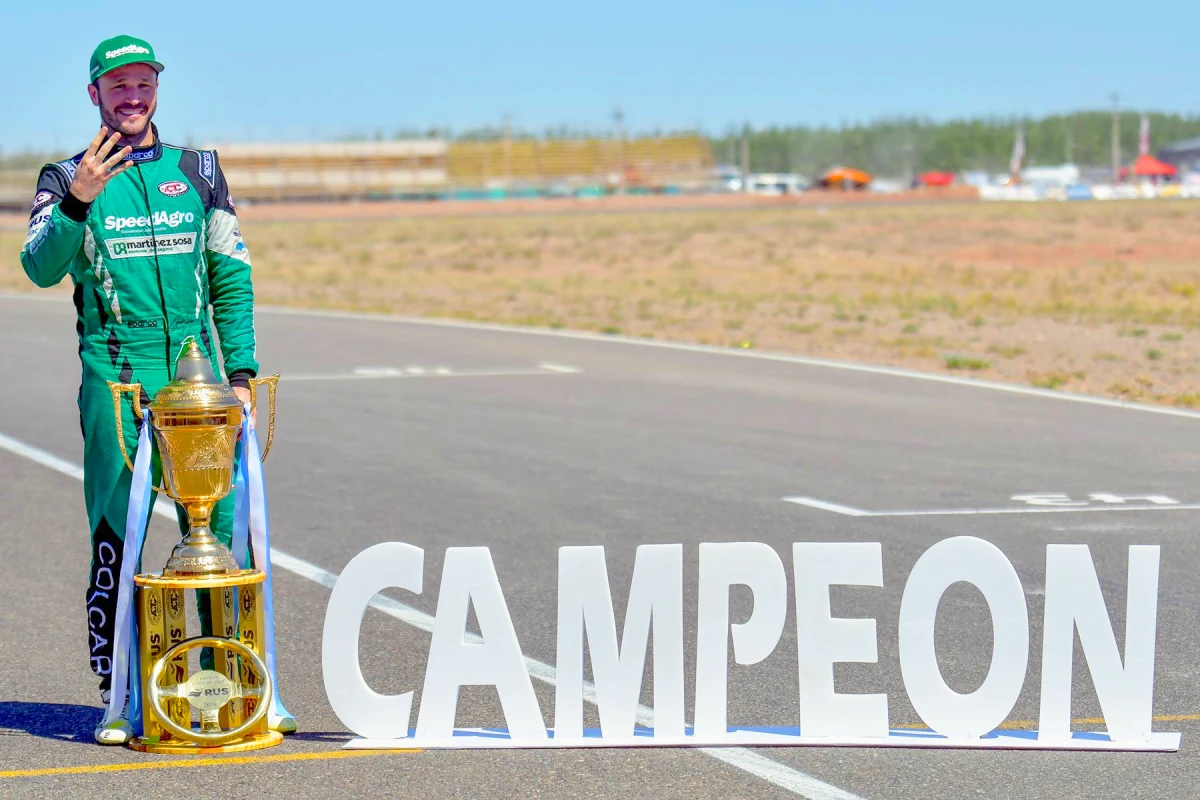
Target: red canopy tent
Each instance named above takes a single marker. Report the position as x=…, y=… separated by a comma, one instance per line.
x=937, y=178
x=1151, y=167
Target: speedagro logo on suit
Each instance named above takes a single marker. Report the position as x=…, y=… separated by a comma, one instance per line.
x=173, y=188
x=172, y=220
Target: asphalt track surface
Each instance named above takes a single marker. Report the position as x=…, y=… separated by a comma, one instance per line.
x=437, y=435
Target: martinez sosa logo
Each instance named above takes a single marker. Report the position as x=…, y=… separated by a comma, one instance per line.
x=165, y=245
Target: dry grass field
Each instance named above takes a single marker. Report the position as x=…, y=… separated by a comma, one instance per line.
x=1090, y=297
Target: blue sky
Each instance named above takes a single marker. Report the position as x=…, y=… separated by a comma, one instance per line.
x=295, y=71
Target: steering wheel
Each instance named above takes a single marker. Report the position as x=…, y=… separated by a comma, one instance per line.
x=209, y=699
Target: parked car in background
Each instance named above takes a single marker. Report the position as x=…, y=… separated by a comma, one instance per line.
x=725, y=178
x=773, y=184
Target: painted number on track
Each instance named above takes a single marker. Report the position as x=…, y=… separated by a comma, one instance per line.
x=1093, y=499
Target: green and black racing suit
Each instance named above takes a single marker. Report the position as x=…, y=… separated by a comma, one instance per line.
x=148, y=259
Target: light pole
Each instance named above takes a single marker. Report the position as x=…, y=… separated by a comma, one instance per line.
x=619, y=124
x=1116, y=140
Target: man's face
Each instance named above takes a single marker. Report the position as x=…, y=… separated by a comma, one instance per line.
x=126, y=97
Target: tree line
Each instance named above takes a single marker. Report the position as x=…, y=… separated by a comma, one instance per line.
x=893, y=147
x=904, y=146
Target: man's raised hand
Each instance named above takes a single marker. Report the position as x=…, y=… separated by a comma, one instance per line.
x=98, y=168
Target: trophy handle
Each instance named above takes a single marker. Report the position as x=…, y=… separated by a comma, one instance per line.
x=134, y=389
x=271, y=382
x=117, y=390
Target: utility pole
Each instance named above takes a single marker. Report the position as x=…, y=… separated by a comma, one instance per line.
x=619, y=125
x=745, y=155
x=1116, y=140
x=507, y=153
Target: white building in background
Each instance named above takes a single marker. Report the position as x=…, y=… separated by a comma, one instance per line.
x=1048, y=177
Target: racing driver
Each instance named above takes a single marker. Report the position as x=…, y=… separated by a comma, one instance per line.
x=146, y=232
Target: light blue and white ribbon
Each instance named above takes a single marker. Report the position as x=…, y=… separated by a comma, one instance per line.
x=250, y=522
x=124, y=651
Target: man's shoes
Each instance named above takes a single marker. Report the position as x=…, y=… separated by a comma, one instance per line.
x=279, y=724
x=119, y=731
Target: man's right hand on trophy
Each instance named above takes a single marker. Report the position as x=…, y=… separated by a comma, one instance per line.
x=98, y=168
x=243, y=394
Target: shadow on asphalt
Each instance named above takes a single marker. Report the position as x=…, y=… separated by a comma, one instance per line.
x=68, y=723
x=58, y=721
x=321, y=736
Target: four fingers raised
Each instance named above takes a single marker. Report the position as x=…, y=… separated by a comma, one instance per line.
x=108, y=146
x=118, y=170
x=116, y=158
x=91, y=150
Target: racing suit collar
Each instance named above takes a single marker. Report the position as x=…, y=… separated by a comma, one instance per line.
x=151, y=152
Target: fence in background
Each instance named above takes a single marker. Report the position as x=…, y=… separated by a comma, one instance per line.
x=670, y=163
x=333, y=170
x=440, y=170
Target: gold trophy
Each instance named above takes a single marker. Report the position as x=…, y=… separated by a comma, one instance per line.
x=195, y=421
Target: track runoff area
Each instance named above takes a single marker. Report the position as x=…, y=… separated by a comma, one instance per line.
x=446, y=435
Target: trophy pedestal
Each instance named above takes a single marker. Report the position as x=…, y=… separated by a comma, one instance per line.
x=233, y=698
x=177, y=747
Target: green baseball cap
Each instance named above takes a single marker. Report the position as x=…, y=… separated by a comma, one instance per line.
x=119, y=51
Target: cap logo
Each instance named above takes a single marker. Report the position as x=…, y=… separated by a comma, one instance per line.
x=129, y=48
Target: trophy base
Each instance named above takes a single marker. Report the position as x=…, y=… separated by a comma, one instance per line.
x=199, y=554
x=177, y=747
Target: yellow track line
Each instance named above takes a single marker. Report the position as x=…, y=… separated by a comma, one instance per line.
x=181, y=763
x=1021, y=724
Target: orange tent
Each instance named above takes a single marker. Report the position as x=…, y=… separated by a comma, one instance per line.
x=1149, y=165
x=845, y=177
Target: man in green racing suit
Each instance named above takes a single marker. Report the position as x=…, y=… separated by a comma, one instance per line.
x=147, y=233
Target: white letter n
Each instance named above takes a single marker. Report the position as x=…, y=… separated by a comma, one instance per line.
x=1074, y=601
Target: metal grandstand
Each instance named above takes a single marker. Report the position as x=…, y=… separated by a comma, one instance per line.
x=435, y=169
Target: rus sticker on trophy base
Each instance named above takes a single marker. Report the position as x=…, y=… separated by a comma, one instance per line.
x=234, y=705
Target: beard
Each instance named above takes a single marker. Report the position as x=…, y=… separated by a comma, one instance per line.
x=132, y=130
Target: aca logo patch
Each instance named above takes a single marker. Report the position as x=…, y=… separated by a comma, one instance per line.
x=173, y=188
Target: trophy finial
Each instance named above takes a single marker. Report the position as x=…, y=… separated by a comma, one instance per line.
x=192, y=366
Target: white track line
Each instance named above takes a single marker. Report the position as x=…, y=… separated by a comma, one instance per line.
x=850, y=511
x=847, y=366
x=748, y=761
x=560, y=368
x=836, y=508
x=409, y=375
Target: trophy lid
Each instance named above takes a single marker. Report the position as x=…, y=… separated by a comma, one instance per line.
x=195, y=387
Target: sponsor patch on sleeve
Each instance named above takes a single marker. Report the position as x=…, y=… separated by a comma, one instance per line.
x=208, y=168
x=39, y=219
x=40, y=201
